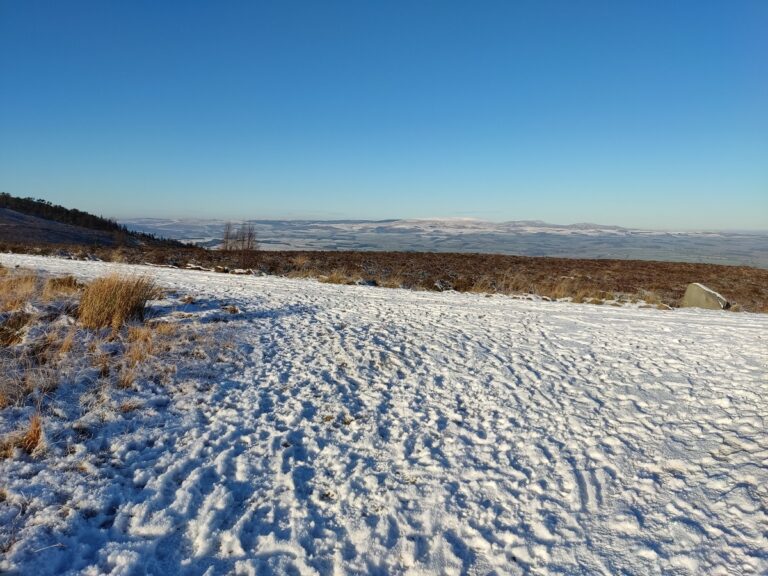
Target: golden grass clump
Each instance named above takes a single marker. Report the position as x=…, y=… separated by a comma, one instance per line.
x=138, y=353
x=113, y=300
x=30, y=439
x=126, y=378
x=394, y=281
x=27, y=440
x=300, y=261
x=141, y=334
x=484, y=285
x=165, y=328
x=60, y=286
x=68, y=341
x=336, y=276
x=17, y=290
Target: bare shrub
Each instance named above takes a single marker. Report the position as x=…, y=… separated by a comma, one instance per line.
x=114, y=300
x=300, y=261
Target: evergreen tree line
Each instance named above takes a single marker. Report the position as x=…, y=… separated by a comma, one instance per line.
x=47, y=210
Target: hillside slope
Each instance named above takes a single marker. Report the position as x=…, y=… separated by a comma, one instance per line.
x=18, y=228
x=344, y=429
x=34, y=222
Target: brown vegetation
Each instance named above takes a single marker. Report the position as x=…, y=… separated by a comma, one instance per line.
x=30, y=367
x=656, y=283
x=16, y=290
x=27, y=440
x=58, y=287
x=43, y=349
x=113, y=300
x=580, y=279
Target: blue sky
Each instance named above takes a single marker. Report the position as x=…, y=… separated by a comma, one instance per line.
x=650, y=114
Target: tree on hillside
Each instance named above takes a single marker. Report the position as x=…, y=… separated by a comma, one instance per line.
x=242, y=241
x=226, y=243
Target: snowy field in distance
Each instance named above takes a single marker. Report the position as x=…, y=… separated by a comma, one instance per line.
x=368, y=430
x=524, y=238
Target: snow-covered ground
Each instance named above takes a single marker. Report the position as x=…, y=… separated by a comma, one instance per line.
x=366, y=430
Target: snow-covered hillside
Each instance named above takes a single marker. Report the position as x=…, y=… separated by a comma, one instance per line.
x=366, y=430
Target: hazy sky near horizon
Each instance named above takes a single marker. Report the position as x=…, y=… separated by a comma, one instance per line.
x=647, y=113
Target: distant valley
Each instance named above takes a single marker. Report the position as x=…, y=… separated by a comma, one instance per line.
x=527, y=238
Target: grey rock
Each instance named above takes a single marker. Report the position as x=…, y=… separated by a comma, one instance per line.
x=699, y=296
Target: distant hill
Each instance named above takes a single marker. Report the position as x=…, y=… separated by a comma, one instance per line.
x=524, y=238
x=36, y=221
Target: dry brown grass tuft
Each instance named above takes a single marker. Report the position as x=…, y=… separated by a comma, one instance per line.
x=300, y=273
x=30, y=440
x=336, y=276
x=165, y=329
x=113, y=300
x=140, y=334
x=300, y=261
x=393, y=281
x=484, y=284
x=650, y=297
x=27, y=440
x=12, y=330
x=68, y=341
x=61, y=286
x=102, y=361
x=126, y=378
x=129, y=406
x=142, y=340
x=17, y=290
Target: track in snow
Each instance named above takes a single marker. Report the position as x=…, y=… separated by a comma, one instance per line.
x=388, y=431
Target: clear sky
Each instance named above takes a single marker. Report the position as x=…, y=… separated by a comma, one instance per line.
x=645, y=113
